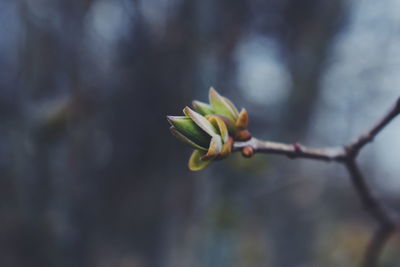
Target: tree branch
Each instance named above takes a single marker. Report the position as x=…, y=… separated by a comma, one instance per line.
x=347, y=156
x=373, y=206
x=293, y=150
x=386, y=222
x=369, y=135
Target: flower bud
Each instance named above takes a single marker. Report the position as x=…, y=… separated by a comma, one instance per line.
x=211, y=129
x=208, y=135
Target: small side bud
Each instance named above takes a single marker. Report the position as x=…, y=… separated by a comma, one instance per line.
x=242, y=121
x=243, y=135
x=247, y=151
x=297, y=147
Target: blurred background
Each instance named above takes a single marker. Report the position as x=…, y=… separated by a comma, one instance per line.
x=91, y=176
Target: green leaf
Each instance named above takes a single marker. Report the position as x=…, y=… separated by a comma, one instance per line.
x=186, y=140
x=201, y=121
x=233, y=107
x=188, y=128
x=220, y=105
x=202, y=108
x=195, y=161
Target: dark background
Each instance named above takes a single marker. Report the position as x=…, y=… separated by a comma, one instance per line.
x=91, y=176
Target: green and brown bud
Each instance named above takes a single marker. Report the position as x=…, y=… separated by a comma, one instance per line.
x=211, y=129
x=208, y=135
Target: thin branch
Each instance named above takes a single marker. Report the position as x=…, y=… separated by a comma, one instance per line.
x=369, y=136
x=386, y=223
x=347, y=156
x=292, y=151
x=368, y=200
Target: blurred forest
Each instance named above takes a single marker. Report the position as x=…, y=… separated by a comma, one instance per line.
x=91, y=176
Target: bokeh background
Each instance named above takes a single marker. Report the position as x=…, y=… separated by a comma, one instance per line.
x=90, y=175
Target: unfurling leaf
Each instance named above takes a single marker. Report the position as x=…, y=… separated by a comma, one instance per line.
x=221, y=106
x=186, y=140
x=186, y=127
x=202, y=122
x=214, y=149
x=218, y=123
x=195, y=161
x=202, y=108
x=233, y=107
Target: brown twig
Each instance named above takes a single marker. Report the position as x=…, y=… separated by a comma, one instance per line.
x=367, y=198
x=347, y=156
x=292, y=151
x=369, y=136
x=386, y=222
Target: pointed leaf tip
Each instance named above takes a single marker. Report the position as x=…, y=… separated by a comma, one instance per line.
x=173, y=119
x=242, y=121
x=212, y=90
